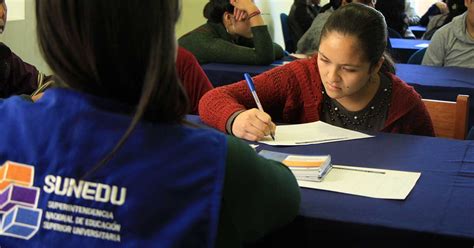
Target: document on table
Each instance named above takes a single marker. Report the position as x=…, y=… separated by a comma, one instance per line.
x=311, y=133
x=423, y=45
x=368, y=182
x=299, y=56
x=253, y=146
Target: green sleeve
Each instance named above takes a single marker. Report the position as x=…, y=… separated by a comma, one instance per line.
x=259, y=196
x=278, y=51
x=210, y=48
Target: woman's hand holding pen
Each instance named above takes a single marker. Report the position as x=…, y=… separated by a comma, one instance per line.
x=253, y=125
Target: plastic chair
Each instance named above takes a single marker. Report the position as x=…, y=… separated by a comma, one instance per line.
x=287, y=37
x=417, y=57
x=470, y=135
x=449, y=118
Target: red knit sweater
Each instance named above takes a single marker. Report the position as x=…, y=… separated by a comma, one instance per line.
x=192, y=77
x=293, y=94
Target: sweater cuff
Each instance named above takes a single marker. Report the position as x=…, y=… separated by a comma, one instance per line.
x=230, y=122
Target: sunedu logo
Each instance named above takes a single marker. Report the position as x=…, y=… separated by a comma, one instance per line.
x=19, y=213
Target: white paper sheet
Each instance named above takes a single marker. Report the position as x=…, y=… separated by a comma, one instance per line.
x=299, y=56
x=423, y=45
x=311, y=133
x=368, y=182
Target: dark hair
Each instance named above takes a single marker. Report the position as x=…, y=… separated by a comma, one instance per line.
x=215, y=9
x=368, y=26
x=101, y=48
x=394, y=13
x=456, y=7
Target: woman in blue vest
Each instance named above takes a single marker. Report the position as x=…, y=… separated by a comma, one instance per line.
x=109, y=160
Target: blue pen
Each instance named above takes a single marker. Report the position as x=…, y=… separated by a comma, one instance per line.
x=249, y=80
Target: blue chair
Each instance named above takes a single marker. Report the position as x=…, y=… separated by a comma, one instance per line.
x=417, y=57
x=470, y=135
x=287, y=37
x=392, y=33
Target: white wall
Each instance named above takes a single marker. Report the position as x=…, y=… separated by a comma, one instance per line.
x=20, y=35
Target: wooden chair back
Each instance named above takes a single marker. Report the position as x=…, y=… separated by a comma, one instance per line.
x=449, y=118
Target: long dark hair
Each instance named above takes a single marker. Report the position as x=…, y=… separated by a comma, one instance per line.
x=368, y=26
x=103, y=49
x=215, y=9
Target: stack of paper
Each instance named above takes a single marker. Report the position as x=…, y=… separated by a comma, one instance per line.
x=308, y=168
x=369, y=182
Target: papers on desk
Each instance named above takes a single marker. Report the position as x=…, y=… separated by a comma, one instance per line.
x=299, y=56
x=309, y=168
x=369, y=182
x=253, y=146
x=311, y=133
x=423, y=45
x=280, y=63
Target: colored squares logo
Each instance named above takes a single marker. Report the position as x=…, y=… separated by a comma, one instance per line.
x=20, y=216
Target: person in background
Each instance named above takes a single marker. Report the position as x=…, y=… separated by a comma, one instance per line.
x=413, y=18
x=453, y=44
x=192, y=77
x=301, y=17
x=117, y=134
x=16, y=76
x=349, y=83
x=435, y=9
x=234, y=33
x=309, y=42
x=332, y=4
x=455, y=8
x=395, y=16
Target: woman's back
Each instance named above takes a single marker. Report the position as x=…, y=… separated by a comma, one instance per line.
x=148, y=195
x=108, y=161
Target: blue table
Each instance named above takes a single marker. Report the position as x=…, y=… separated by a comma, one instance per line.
x=438, y=212
x=402, y=49
x=418, y=31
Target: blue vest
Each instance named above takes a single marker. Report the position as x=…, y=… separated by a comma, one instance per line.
x=163, y=188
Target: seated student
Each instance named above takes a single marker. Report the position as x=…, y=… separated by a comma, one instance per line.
x=395, y=16
x=309, y=42
x=192, y=77
x=350, y=83
x=435, y=9
x=301, y=17
x=118, y=158
x=453, y=44
x=16, y=76
x=413, y=18
x=234, y=33
x=455, y=8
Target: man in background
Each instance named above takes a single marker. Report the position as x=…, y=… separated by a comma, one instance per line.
x=453, y=44
x=301, y=17
x=309, y=42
